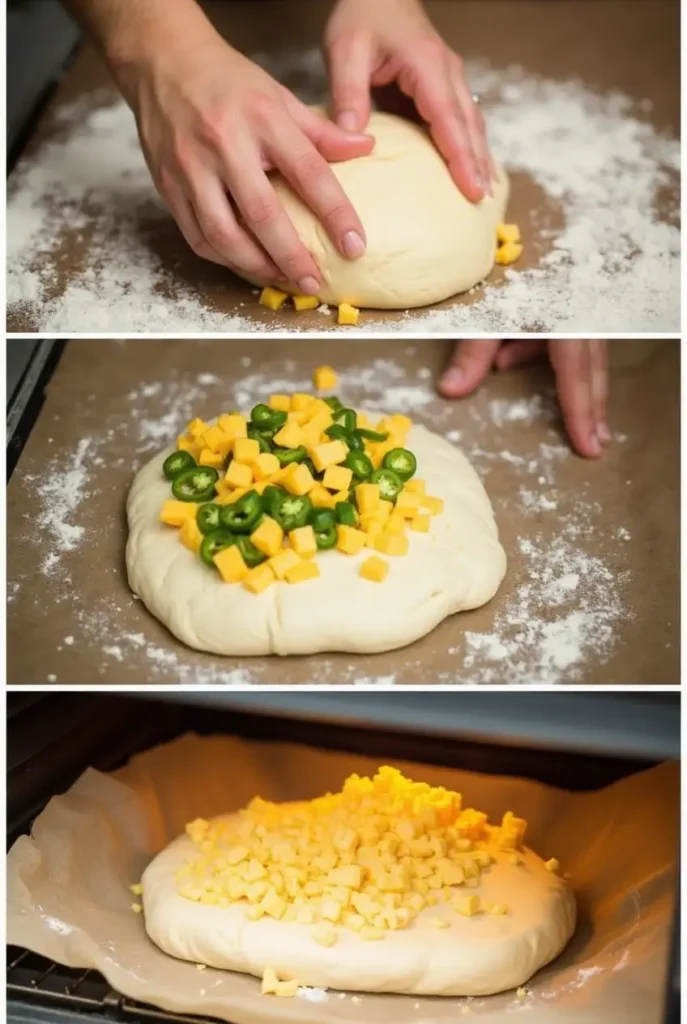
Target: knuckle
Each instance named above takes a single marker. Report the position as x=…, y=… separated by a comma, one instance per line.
x=337, y=213
x=260, y=210
x=263, y=109
x=309, y=169
x=219, y=235
x=432, y=46
x=212, y=128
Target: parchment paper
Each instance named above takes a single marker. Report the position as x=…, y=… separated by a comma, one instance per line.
x=610, y=528
x=68, y=895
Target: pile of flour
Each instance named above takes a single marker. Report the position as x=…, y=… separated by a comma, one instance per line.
x=561, y=606
x=612, y=266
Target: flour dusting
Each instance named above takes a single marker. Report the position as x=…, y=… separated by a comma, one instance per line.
x=611, y=261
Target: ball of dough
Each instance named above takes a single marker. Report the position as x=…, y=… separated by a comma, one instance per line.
x=425, y=240
x=458, y=565
x=475, y=956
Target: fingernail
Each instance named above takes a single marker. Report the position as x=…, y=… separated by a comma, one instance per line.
x=308, y=286
x=453, y=378
x=603, y=433
x=348, y=120
x=595, y=445
x=352, y=245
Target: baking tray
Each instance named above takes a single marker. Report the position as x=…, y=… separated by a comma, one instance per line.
x=613, y=46
x=593, y=547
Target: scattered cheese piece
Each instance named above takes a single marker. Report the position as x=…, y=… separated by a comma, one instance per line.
x=348, y=314
x=269, y=983
x=299, y=480
x=507, y=233
x=324, y=934
x=283, y=561
x=290, y=435
x=508, y=253
x=191, y=536
x=420, y=523
x=435, y=506
x=287, y=989
x=273, y=298
x=137, y=908
x=552, y=865
x=350, y=540
x=264, y=465
x=324, y=378
x=305, y=570
x=302, y=302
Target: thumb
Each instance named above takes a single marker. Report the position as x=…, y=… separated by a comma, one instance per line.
x=470, y=364
x=349, y=81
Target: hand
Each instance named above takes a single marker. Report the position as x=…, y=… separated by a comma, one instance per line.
x=211, y=125
x=581, y=369
x=377, y=42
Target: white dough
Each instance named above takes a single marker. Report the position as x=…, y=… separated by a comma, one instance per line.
x=458, y=565
x=475, y=956
x=425, y=240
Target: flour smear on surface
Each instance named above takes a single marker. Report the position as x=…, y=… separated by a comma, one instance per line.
x=612, y=264
x=560, y=609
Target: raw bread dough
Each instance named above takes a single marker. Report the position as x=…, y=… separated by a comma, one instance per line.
x=425, y=240
x=474, y=956
x=458, y=565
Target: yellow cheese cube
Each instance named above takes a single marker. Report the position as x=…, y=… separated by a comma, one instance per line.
x=390, y=545
x=364, y=421
x=269, y=982
x=175, y=512
x=246, y=449
x=239, y=474
x=317, y=407
x=302, y=302
x=552, y=865
x=301, y=401
x=435, y=506
x=283, y=561
x=372, y=530
x=378, y=451
x=299, y=480
x=276, y=478
x=508, y=253
x=324, y=455
x=273, y=298
x=305, y=570
x=337, y=478
x=408, y=504
x=415, y=486
x=507, y=233
x=324, y=934
x=374, y=569
x=260, y=485
x=287, y=989
x=299, y=417
x=395, y=525
x=348, y=314
x=210, y=458
x=350, y=540
x=185, y=444
x=211, y=438
x=420, y=523
x=196, y=427
x=369, y=933
x=230, y=564
x=230, y=496
x=340, y=496
x=264, y=465
x=324, y=378
x=190, y=535
x=321, y=497
x=303, y=542
x=367, y=498
x=258, y=579
x=290, y=436
x=468, y=907
x=233, y=425
x=280, y=402
x=268, y=537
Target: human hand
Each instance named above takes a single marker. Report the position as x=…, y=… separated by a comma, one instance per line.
x=211, y=124
x=581, y=369
x=377, y=42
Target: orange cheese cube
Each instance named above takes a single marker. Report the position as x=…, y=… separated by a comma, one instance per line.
x=233, y=425
x=273, y=298
x=190, y=535
x=239, y=474
x=258, y=579
x=341, y=496
x=324, y=455
x=367, y=497
x=337, y=478
x=408, y=504
x=221, y=486
x=303, y=542
x=196, y=427
x=507, y=233
x=185, y=444
x=350, y=540
x=299, y=480
x=420, y=523
x=268, y=536
x=435, y=506
x=290, y=436
x=301, y=302
x=508, y=253
x=374, y=569
x=210, y=458
x=246, y=449
x=416, y=486
x=264, y=465
x=305, y=570
x=324, y=378
x=211, y=438
x=276, y=478
x=174, y=513
x=230, y=563
x=280, y=402
x=284, y=560
x=321, y=497
x=348, y=314
x=388, y=544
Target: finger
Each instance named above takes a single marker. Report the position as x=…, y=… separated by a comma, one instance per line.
x=599, y=368
x=349, y=58
x=315, y=182
x=182, y=211
x=572, y=366
x=516, y=353
x=474, y=121
x=470, y=364
x=332, y=142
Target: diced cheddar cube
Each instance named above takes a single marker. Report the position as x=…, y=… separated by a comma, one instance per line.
x=175, y=512
x=305, y=570
x=372, y=530
x=330, y=454
x=552, y=865
x=507, y=233
x=196, y=427
x=233, y=425
x=190, y=535
x=324, y=378
x=348, y=314
x=290, y=436
x=258, y=579
x=211, y=438
x=408, y=504
x=264, y=465
x=260, y=485
x=341, y=496
x=468, y=906
x=337, y=478
x=230, y=564
x=415, y=486
x=498, y=909
x=300, y=401
x=420, y=523
x=210, y=458
x=239, y=474
x=374, y=569
x=280, y=402
x=246, y=449
x=269, y=982
x=273, y=298
x=377, y=451
x=276, y=478
x=390, y=545
x=303, y=302
x=435, y=506
x=324, y=934
x=395, y=525
x=283, y=561
x=370, y=933
x=321, y=497
x=287, y=989
x=230, y=496
x=221, y=486
x=350, y=540
x=330, y=910
x=299, y=480
x=367, y=498
x=186, y=444
x=298, y=416
x=303, y=542
x=268, y=537
x=508, y=253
